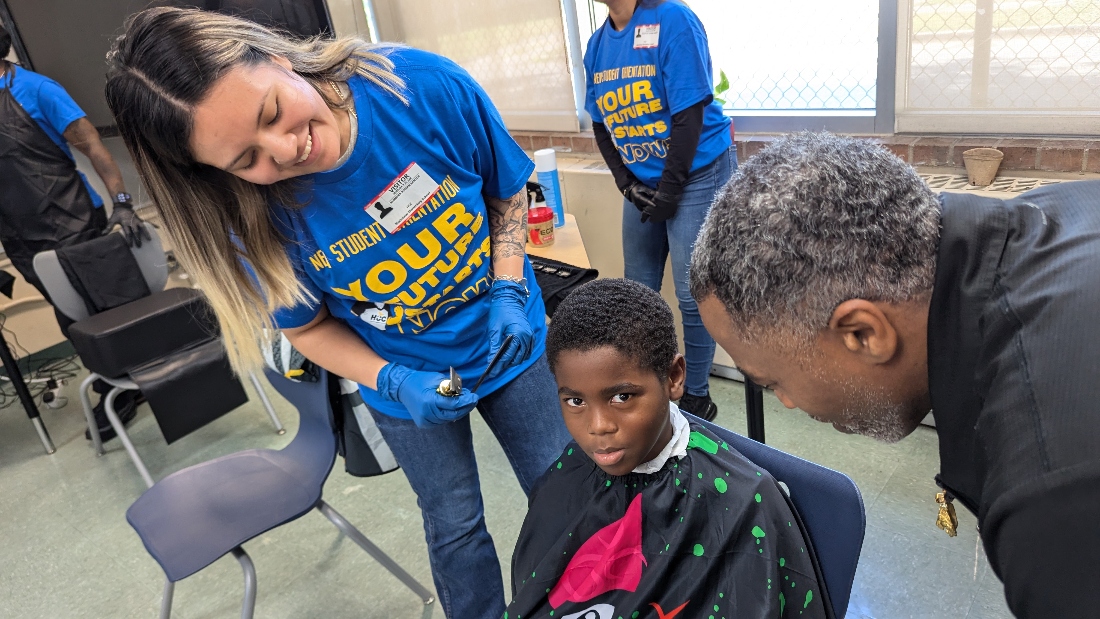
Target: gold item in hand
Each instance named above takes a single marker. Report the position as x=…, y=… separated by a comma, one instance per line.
x=450, y=387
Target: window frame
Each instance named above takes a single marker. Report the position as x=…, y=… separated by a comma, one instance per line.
x=978, y=121
x=784, y=121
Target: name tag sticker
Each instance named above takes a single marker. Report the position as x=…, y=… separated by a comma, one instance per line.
x=646, y=36
x=402, y=198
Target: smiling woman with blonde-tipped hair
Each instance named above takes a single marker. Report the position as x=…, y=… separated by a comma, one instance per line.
x=369, y=202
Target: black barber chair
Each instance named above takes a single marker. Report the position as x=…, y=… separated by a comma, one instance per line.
x=165, y=343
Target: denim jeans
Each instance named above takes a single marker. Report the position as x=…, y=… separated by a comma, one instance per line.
x=439, y=462
x=647, y=245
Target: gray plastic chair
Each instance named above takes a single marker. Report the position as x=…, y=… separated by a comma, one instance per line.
x=194, y=517
x=153, y=263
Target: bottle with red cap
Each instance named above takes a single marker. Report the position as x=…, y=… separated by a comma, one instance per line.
x=540, y=218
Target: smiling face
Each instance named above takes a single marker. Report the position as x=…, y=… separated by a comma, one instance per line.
x=863, y=374
x=616, y=410
x=263, y=123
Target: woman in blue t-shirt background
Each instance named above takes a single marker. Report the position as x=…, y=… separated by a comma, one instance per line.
x=669, y=147
x=371, y=204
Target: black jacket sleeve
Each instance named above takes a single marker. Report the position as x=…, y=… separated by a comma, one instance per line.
x=1046, y=545
x=624, y=178
x=687, y=126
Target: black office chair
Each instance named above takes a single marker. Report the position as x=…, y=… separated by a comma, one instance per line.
x=828, y=503
x=152, y=327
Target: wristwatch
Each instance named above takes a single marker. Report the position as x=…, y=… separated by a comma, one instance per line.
x=522, y=281
x=123, y=198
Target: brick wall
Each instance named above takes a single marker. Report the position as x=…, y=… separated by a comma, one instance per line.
x=1021, y=154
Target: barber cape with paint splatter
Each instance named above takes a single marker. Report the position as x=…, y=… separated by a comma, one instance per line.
x=709, y=535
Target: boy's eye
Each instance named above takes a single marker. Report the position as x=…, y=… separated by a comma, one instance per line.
x=619, y=398
x=275, y=118
x=573, y=401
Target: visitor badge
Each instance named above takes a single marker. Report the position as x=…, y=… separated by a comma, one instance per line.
x=646, y=36
x=402, y=198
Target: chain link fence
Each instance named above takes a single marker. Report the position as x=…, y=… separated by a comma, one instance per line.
x=989, y=54
x=794, y=55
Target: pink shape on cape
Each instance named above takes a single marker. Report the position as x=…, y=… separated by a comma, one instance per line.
x=609, y=560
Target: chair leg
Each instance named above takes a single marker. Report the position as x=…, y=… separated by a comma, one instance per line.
x=279, y=429
x=120, y=429
x=166, y=599
x=43, y=435
x=374, y=551
x=249, y=606
x=86, y=402
x=24, y=395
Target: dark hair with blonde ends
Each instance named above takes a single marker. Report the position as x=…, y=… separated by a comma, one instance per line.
x=163, y=65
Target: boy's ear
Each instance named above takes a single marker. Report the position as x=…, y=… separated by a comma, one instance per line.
x=677, y=374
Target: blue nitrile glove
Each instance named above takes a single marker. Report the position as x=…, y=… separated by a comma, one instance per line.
x=417, y=391
x=508, y=316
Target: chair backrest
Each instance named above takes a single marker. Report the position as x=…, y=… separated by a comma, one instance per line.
x=311, y=454
x=829, y=504
x=150, y=259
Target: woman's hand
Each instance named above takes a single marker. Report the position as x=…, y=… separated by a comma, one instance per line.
x=418, y=392
x=508, y=316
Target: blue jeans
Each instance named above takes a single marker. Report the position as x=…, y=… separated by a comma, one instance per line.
x=439, y=462
x=647, y=245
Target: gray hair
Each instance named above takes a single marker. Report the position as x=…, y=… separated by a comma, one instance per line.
x=812, y=221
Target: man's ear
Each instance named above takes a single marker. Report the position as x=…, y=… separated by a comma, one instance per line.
x=862, y=328
x=677, y=374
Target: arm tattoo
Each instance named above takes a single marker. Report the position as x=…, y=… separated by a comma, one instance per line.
x=508, y=225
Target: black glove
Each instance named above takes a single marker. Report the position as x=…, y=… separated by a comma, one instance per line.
x=133, y=230
x=640, y=195
x=663, y=208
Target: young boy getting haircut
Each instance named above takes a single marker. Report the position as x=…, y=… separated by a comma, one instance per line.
x=646, y=514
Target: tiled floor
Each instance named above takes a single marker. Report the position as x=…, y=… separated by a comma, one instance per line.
x=66, y=550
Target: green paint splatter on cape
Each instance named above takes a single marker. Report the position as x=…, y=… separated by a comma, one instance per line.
x=757, y=532
x=757, y=497
x=720, y=485
x=809, y=598
x=697, y=550
x=699, y=441
x=782, y=603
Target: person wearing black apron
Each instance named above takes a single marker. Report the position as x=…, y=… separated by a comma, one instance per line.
x=44, y=201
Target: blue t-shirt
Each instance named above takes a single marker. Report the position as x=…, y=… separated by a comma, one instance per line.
x=640, y=76
x=417, y=296
x=51, y=107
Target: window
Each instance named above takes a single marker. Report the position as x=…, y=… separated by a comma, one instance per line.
x=797, y=64
x=516, y=49
x=992, y=66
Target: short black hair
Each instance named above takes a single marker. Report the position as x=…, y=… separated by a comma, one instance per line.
x=628, y=316
x=5, y=43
